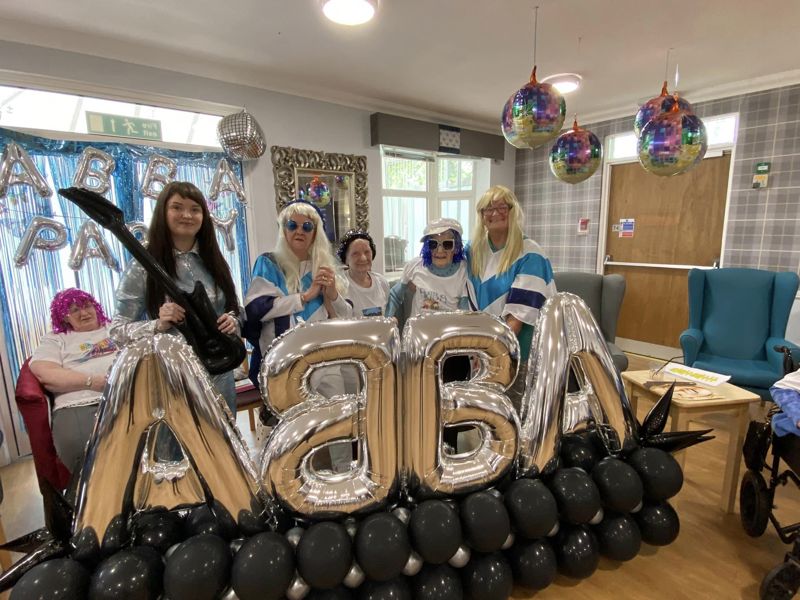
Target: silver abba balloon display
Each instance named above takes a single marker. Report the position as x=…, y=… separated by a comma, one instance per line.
x=159, y=382
x=94, y=170
x=225, y=180
x=34, y=238
x=241, y=137
x=159, y=172
x=83, y=248
x=15, y=155
x=568, y=336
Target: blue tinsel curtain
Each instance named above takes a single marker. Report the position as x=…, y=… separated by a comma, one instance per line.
x=26, y=292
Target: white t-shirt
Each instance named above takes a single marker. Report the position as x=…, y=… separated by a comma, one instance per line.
x=371, y=301
x=90, y=352
x=435, y=293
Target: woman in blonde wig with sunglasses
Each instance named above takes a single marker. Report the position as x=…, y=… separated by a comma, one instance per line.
x=510, y=275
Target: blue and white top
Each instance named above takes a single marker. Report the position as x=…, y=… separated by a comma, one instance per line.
x=272, y=311
x=520, y=291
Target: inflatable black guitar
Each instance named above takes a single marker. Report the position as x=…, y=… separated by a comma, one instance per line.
x=219, y=352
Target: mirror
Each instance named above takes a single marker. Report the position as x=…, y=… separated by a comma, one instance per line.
x=334, y=183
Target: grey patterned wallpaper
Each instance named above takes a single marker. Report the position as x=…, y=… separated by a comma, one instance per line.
x=763, y=225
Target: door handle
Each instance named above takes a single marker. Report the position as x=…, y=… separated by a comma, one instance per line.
x=607, y=259
x=715, y=264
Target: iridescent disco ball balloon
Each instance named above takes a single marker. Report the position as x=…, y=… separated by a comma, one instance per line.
x=317, y=192
x=533, y=115
x=241, y=137
x=656, y=106
x=576, y=155
x=672, y=143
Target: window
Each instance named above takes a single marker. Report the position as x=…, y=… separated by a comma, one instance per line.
x=721, y=132
x=51, y=111
x=419, y=187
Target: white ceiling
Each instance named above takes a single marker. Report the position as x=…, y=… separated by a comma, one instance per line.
x=452, y=61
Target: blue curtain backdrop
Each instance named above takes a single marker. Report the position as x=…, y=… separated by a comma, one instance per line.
x=26, y=292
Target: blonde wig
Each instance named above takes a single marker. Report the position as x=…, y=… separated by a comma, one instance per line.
x=479, y=244
x=319, y=253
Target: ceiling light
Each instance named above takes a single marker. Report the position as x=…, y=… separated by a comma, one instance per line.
x=349, y=12
x=564, y=82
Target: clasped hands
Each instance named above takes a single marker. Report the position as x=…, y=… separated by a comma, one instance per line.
x=324, y=283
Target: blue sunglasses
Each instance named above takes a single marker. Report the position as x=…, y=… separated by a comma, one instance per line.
x=308, y=226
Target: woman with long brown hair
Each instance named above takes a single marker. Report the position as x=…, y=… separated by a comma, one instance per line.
x=181, y=238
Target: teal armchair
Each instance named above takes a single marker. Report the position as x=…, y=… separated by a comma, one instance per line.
x=736, y=318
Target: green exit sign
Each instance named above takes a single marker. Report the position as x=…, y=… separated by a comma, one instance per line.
x=130, y=127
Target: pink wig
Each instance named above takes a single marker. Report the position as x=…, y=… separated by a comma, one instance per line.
x=59, y=308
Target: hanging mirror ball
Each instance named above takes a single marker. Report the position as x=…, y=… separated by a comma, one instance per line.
x=533, y=115
x=672, y=143
x=576, y=155
x=661, y=104
x=241, y=137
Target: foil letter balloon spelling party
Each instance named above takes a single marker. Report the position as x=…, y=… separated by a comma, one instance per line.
x=312, y=427
x=429, y=406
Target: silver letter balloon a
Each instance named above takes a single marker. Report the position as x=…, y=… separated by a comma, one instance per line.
x=15, y=155
x=567, y=336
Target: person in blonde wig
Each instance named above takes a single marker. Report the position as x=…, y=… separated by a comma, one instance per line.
x=510, y=275
x=297, y=282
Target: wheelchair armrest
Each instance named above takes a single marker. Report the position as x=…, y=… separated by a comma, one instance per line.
x=775, y=358
x=691, y=340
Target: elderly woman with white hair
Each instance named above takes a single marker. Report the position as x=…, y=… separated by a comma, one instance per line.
x=295, y=283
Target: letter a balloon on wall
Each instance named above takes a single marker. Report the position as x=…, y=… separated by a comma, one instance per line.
x=47, y=244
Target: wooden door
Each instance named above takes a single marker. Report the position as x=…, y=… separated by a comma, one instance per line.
x=678, y=224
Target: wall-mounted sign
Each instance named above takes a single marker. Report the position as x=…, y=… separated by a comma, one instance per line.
x=627, y=227
x=117, y=125
x=761, y=175
x=583, y=226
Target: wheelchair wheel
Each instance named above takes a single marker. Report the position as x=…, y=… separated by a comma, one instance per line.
x=755, y=503
x=781, y=583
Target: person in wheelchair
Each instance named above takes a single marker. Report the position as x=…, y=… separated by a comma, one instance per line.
x=782, y=433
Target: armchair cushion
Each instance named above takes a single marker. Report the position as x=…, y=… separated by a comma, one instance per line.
x=34, y=405
x=691, y=342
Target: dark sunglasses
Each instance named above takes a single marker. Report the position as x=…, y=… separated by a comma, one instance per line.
x=308, y=226
x=446, y=244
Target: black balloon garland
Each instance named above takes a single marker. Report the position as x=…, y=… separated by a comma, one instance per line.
x=479, y=546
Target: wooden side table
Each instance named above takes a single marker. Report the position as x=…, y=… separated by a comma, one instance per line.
x=727, y=399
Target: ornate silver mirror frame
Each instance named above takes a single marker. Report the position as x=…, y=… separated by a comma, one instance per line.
x=293, y=167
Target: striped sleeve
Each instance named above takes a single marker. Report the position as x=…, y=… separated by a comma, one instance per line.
x=532, y=286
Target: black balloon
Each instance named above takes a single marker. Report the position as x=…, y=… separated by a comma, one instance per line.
x=154, y=560
x=619, y=536
x=125, y=575
x=86, y=546
x=394, y=589
x=337, y=593
x=533, y=563
x=660, y=472
x=532, y=508
x=435, y=531
x=578, y=452
x=437, y=582
x=263, y=568
x=218, y=522
x=116, y=535
x=619, y=484
x=382, y=546
x=198, y=569
x=488, y=577
x=576, y=495
x=324, y=555
x=55, y=579
x=485, y=521
x=159, y=530
x=577, y=551
x=658, y=523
